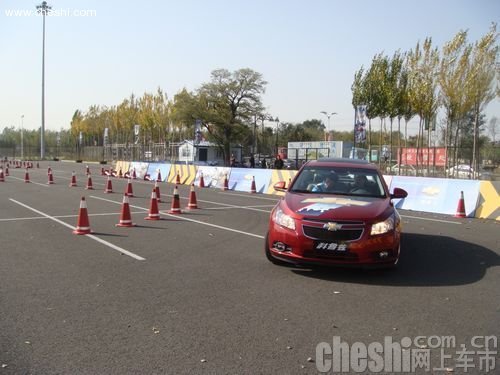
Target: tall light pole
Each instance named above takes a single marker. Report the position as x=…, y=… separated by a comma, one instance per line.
x=43, y=9
x=328, y=115
x=277, y=120
x=22, y=140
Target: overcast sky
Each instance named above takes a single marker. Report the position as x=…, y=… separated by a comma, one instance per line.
x=99, y=52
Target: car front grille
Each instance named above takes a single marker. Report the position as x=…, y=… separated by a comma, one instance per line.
x=347, y=231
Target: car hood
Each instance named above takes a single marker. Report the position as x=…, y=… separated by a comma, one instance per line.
x=337, y=207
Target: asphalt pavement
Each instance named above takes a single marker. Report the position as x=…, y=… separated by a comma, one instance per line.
x=194, y=294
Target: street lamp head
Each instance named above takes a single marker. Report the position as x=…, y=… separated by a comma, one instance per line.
x=43, y=8
x=328, y=114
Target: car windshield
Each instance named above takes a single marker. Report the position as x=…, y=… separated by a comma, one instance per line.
x=339, y=181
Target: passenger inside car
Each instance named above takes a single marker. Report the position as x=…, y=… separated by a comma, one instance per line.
x=360, y=185
x=330, y=184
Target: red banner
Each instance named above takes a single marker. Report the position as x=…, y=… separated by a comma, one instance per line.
x=435, y=156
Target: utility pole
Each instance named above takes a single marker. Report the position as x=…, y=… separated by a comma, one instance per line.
x=328, y=115
x=22, y=140
x=43, y=9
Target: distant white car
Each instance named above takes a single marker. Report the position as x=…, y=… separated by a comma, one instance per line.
x=462, y=171
x=402, y=169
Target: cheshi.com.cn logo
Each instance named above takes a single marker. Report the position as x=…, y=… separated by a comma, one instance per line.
x=433, y=354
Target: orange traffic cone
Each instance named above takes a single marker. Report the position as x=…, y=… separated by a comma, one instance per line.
x=158, y=177
x=154, y=214
x=129, y=192
x=192, y=199
x=7, y=170
x=26, y=176
x=134, y=176
x=2, y=178
x=226, y=183
x=120, y=174
x=51, y=179
x=73, y=180
x=157, y=191
x=253, y=189
x=109, y=186
x=178, y=178
x=125, y=217
x=176, y=204
x=89, y=183
x=202, y=181
x=461, y=206
x=83, y=225
x=87, y=170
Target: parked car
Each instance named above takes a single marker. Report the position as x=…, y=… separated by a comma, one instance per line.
x=335, y=212
x=402, y=169
x=463, y=171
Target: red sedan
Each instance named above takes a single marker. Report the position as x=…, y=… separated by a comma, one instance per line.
x=336, y=212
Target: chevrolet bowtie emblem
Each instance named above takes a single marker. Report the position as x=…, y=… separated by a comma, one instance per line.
x=332, y=226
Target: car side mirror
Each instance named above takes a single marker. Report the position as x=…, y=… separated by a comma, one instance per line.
x=280, y=186
x=399, y=193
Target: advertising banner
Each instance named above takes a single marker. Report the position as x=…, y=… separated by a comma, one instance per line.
x=140, y=169
x=155, y=168
x=315, y=149
x=241, y=179
x=212, y=176
x=438, y=195
x=360, y=124
x=435, y=156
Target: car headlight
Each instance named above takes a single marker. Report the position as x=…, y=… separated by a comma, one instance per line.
x=383, y=226
x=283, y=219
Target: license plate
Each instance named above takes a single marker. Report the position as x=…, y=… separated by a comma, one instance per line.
x=330, y=246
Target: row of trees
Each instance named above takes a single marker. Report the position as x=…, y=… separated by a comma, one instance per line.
x=229, y=110
x=460, y=79
x=64, y=144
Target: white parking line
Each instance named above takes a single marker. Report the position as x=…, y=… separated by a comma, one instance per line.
x=428, y=219
x=58, y=177
x=235, y=207
x=60, y=216
x=31, y=182
x=187, y=219
x=109, y=244
x=250, y=195
x=251, y=208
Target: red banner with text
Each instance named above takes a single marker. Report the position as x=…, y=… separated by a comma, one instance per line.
x=435, y=156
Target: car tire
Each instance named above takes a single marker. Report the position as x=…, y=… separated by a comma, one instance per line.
x=269, y=256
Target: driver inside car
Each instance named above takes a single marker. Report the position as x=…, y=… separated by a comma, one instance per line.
x=329, y=184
